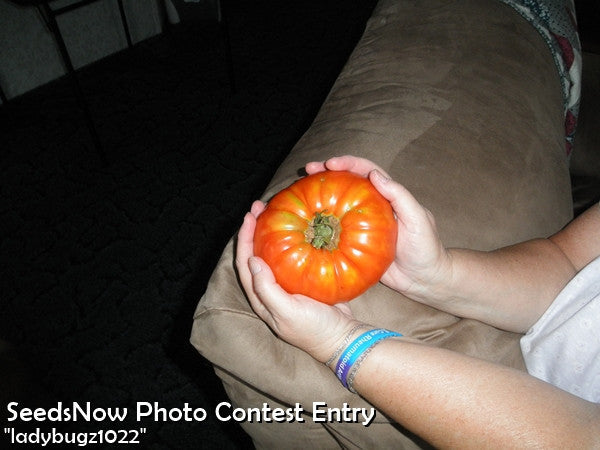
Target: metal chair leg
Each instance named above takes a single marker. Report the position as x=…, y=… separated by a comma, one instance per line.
x=50, y=18
x=125, y=25
x=222, y=18
x=3, y=96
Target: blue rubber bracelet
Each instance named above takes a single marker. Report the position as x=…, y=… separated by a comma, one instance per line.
x=357, y=348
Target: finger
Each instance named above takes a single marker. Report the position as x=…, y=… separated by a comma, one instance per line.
x=360, y=166
x=345, y=308
x=315, y=167
x=271, y=299
x=257, y=208
x=349, y=163
x=244, y=250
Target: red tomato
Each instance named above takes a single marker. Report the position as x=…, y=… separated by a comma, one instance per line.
x=329, y=236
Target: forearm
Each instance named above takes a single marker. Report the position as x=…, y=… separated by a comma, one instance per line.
x=509, y=288
x=455, y=401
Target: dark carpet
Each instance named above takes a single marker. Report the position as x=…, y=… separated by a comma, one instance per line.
x=102, y=265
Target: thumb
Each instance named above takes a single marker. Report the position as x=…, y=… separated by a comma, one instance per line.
x=254, y=265
x=403, y=203
x=264, y=283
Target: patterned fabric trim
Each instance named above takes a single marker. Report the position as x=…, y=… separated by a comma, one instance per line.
x=555, y=20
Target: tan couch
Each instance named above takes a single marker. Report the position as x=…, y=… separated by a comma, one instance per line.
x=458, y=100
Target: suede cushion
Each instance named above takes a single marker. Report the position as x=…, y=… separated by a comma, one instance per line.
x=460, y=101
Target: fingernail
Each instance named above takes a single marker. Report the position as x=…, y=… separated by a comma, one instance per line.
x=254, y=266
x=380, y=177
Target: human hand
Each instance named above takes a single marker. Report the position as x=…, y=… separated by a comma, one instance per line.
x=312, y=326
x=421, y=261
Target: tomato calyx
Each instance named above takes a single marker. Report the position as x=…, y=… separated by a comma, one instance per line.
x=323, y=231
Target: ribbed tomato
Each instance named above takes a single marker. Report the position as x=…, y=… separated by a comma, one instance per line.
x=329, y=236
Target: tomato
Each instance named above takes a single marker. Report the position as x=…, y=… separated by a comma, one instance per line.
x=329, y=236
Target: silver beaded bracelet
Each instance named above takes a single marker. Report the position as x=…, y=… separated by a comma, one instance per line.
x=345, y=343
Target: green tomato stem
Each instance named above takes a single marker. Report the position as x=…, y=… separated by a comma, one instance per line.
x=323, y=231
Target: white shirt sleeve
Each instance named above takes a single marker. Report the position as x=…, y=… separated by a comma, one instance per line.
x=563, y=346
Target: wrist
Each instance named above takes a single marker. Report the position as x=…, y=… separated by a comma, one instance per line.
x=357, y=329
x=346, y=361
x=434, y=284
